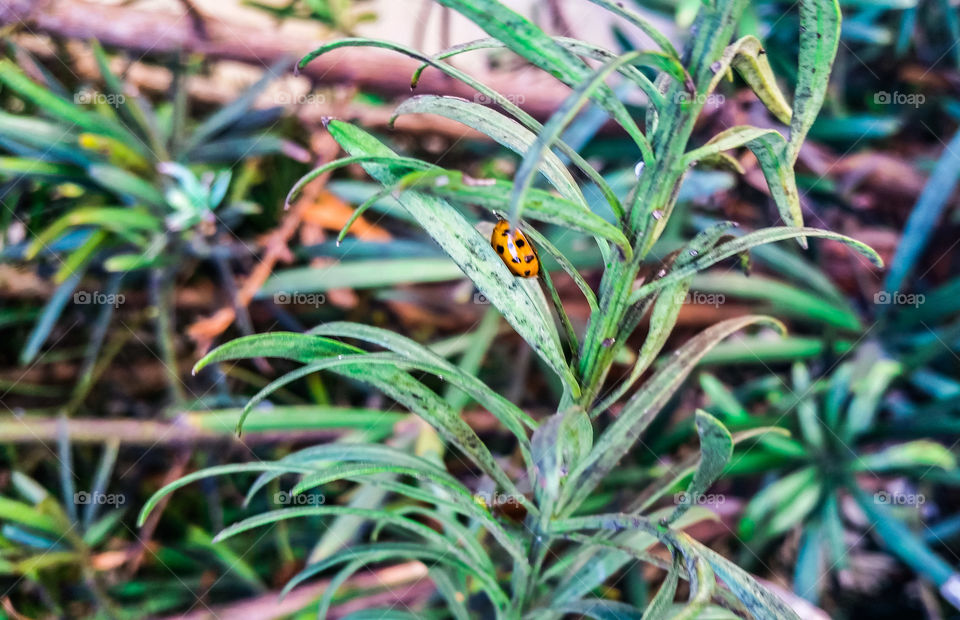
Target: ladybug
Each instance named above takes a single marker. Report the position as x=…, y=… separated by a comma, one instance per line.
x=515, y=251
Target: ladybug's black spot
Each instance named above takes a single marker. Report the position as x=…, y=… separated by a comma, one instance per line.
x=505, y=234
x=528, y=258
x=520, y=243
x=515, y=259
x=499, y=249
x=527, y=272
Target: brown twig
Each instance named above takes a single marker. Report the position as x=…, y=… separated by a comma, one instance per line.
x=185, y=430
x=161, y=34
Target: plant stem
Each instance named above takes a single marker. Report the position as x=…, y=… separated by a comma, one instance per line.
x=656, y=191
x=161, y=292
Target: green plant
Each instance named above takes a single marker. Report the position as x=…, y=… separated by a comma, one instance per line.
x=573, y=536
x=51, y=543
x=836, y=449
x=124, y=197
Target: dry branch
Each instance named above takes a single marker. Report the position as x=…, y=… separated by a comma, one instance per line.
x=152, y=33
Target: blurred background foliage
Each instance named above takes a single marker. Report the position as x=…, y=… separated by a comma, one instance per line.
x=143, y=221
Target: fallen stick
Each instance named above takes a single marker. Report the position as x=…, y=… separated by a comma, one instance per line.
x=154, y=33
x=299, y=423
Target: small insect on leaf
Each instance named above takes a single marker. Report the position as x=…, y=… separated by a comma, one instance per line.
x=515, y=250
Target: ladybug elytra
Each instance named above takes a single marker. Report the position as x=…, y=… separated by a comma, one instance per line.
x=515, y=250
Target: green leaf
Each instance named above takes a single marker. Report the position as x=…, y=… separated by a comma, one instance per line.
x=130, y=109
x=761, y=603
x=620, y=437
x=666, y=309
x=382, y=551
x=744, y=243
x=452, y=592
x=233, y=112
x=392, y=381
x=471, y=252
x=808, y=572
x=810, y=424
x=891, y=533
x=50, y=104
x=48, y=318
x=866, y=397
x=716, y=446
x=594, y=562
x=558, y=445
x=721, y=398
x=231, y=562
x=558, y=123
x=703, y=583
x=783, y=299
x=770, y=149
x=494, y=194
x=285, y=285
x=578, y=47
x=29, y=516
x=503, y=130
x=17, y=167
x=544, y=246
x=645, y=26
x=925, y=215
x=777, y=499
x=501, y=408
x=116, y=219
x=127, y=185
x=531, y=43
x=748, y=57
x=381, y=517
x=512, y=416
x=392, y=160
x=819, y=40
x=44, y=136
x=919, y=453
x=661, y=603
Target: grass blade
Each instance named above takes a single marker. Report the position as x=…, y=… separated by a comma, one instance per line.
x=819, y=40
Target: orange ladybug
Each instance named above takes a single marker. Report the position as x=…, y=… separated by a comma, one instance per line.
x=515, y=251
